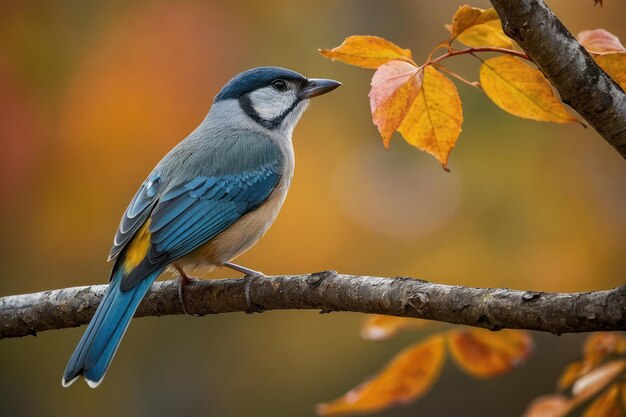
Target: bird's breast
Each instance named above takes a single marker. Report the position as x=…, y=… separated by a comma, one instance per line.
x=241, y=235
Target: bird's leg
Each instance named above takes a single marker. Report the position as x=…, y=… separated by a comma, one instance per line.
x=183, y=281
x=243, y=269
x=250, y=275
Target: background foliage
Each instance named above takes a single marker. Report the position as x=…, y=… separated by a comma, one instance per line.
x=93, y=94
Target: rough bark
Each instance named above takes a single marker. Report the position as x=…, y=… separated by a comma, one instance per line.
x=569, y=67
x=489, y=308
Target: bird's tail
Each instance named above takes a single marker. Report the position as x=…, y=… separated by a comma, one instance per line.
x=96, y=348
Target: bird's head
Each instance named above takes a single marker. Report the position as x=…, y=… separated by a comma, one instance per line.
x=273, y=97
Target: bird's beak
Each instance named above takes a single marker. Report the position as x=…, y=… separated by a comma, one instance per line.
x=318, y=86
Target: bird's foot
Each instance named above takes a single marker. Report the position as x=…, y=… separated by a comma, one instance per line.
x=183, y=281
x=250, y=276
x=247, y=283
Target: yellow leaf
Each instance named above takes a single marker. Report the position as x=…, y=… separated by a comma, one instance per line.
x=597, y=379
x=478, y=27
x=521, y=90
x=553, y=405
x=600, y=41
x=367, y=52
x=407, y=377
x=395, y=86
x=615, y=66
x=486, y=354
x=433, y=123
x=606, y=405
x=572, y=372
x=384, y=327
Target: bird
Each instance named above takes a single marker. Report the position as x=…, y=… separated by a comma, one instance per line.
x=206, y=202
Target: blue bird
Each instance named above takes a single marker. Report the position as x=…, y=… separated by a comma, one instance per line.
x=206, y=202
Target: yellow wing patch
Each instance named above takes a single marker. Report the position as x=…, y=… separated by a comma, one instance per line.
x=138, y=248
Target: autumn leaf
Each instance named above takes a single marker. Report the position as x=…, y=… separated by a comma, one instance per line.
x=484, y=354
x=367, y=52
x=554, y=405
x=597, y=379
x=395, y=86
x=408, y=376
x=378, y=327
x=433, y=123
x=615, y=66
x=572, y=372
x=478, y=27
x=599, y=345
x=521, y=90
x=588, y=378
x=606, y=405
x=600, y=41
x=596, y=348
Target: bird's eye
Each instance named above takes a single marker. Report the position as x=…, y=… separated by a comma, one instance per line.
x=279, y=85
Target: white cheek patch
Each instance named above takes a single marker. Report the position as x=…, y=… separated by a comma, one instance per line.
x=270, y=104
x=292, y=118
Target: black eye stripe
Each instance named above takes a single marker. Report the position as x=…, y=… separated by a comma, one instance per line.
x=246, y=105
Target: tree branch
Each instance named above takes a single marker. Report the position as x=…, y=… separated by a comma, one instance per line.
x=572, y=71
x=490, y=308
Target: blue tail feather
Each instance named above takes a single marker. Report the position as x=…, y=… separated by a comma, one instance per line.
x=96, y=348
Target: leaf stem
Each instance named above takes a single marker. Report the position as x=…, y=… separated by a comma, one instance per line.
x=474, y=50
x=442, y=44
x=458, y=77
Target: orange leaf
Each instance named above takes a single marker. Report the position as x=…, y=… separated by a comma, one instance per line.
x=606, y=405
x=600, y=41
x=478, y=27
x=572, y=372
x=615, y=66
x=554, y=405
x=367, y=52
x=485, y=354
x=599, y=345
x=521, y=90
x=384, y=327
x=597, y=379
x=395, y=86
x=407, y=377
x=433, y=123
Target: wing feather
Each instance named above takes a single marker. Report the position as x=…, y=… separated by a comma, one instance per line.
x=137, y=213
x=192, y=213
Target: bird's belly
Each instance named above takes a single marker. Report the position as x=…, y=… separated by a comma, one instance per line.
x=236, y=239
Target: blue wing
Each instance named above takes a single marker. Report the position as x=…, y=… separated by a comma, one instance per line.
x=190, y=214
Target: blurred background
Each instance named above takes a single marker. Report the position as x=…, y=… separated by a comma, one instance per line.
x=93, y=94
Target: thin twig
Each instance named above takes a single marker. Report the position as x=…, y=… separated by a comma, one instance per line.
x=457, y=52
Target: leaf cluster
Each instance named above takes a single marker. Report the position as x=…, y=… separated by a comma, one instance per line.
x=412, y=372
x=596, y=382
x=423, y=104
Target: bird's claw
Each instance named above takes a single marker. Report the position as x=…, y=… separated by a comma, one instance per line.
x=247, y=282
x=183, y=281
x=249, y=276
